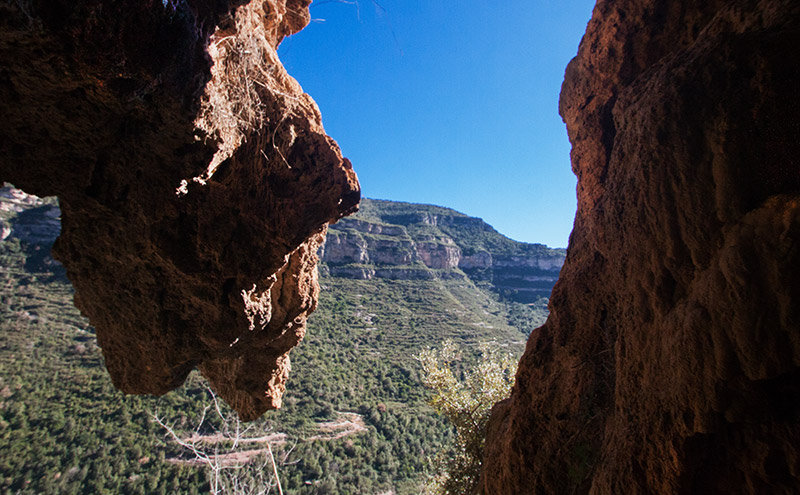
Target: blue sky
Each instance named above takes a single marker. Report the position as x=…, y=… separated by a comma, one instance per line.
x=450, y=103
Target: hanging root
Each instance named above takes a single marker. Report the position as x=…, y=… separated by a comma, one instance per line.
x=247, y=80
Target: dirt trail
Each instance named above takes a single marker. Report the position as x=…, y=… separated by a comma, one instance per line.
x=346, y=424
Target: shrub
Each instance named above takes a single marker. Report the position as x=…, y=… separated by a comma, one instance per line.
x=467, y=404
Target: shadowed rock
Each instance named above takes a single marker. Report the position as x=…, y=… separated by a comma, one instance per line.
x=194, y=177
x=671, y=359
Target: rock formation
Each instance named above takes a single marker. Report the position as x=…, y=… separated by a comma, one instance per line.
x=396, y=240
x=670, y=362
x=36, y=222
x=194, y=177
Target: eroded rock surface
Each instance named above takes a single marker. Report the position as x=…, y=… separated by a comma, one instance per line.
x=670, y=362
x=194, y=177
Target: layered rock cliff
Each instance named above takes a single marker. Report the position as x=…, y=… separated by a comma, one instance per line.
x=670, y=362
x=194, y=177
x=396, y=240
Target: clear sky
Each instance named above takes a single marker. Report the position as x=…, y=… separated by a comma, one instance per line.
x=450, y=103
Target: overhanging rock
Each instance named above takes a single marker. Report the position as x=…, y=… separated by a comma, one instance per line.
x=194, y=177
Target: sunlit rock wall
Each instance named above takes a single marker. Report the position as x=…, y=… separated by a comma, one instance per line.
x=194, y=177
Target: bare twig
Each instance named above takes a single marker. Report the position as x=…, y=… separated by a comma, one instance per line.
x=275, y=470
x=229, y=464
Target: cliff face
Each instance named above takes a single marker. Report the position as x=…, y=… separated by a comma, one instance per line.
x=670, y=362
x=36, y=221
x=194, y=177
x=407, y=241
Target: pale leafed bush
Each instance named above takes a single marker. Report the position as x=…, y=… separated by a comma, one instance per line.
x=466, y=403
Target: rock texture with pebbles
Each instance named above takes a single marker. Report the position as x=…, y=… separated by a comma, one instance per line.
x=670, y=362
x=194, y=177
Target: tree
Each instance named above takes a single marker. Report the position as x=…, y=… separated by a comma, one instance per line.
x=221, y=447
x=467, y=404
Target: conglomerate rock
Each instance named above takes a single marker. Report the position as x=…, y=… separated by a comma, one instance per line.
x=194, y=177
x=671, y=359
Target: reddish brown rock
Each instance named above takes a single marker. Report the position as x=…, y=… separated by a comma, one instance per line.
x=194, y=176
x=670, y=363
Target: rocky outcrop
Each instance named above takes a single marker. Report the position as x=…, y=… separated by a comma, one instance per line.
x=34, y=221
x=670, y=362
x=345, y=248
x=439, y=254
x=433, y=242
x=359, y=241
x=194, y=177
x=480, y=260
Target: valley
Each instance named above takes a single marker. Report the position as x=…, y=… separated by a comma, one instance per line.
x=396, y=278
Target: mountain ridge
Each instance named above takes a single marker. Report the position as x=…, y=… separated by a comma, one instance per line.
x=399, y=240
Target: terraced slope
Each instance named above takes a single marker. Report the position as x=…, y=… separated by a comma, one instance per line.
x=70, y=431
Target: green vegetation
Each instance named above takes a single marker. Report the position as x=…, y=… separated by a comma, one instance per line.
x=356, y=418
x=466, y=403
x=70, y=431
x=63, y=427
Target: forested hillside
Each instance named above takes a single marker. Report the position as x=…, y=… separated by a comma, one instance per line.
x=355, y=418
